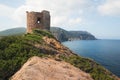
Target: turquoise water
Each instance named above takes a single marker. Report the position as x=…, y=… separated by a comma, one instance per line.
x=105, y=52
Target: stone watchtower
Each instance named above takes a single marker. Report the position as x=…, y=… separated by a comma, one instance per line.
x=38, y=20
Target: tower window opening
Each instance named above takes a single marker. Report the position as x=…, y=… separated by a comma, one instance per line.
x=38, y=20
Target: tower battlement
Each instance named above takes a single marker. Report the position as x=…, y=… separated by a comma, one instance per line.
x=38, y=20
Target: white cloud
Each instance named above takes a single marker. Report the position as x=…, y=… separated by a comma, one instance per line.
x=6, y=20
x=20, y=15
x=110, y=7
x=75, y=21
x=63, y=12
x=6, y=10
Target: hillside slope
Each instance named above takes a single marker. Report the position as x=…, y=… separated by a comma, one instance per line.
x=13, y=31
x=16, y=50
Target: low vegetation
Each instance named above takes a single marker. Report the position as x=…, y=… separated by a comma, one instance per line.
x=15, y=51
x=96, y=71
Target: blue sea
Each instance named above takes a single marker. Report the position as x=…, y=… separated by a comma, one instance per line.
x=105, y=52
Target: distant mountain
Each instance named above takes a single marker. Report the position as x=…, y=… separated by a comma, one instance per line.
x=63, y=35
x=13, y=31
x=60, y=34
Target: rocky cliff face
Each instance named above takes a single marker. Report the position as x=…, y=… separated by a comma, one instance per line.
x=37, y=68
x=63, y=35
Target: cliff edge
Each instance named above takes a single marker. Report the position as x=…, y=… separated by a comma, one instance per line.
x=64, y=35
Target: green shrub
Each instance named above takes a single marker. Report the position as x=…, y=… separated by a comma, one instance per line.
x=96, y=71
x=43, y=33
x=15, y=51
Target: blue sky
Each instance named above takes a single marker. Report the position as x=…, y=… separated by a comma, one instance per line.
x=99, y=17
x=12, y=3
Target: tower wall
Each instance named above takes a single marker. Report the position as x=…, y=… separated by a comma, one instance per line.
x=38, y=20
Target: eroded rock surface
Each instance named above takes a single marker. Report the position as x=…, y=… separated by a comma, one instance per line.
x=49, y=69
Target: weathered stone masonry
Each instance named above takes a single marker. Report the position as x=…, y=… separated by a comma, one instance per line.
x=38, y=20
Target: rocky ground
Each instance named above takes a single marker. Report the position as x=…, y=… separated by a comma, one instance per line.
x=49, y=69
